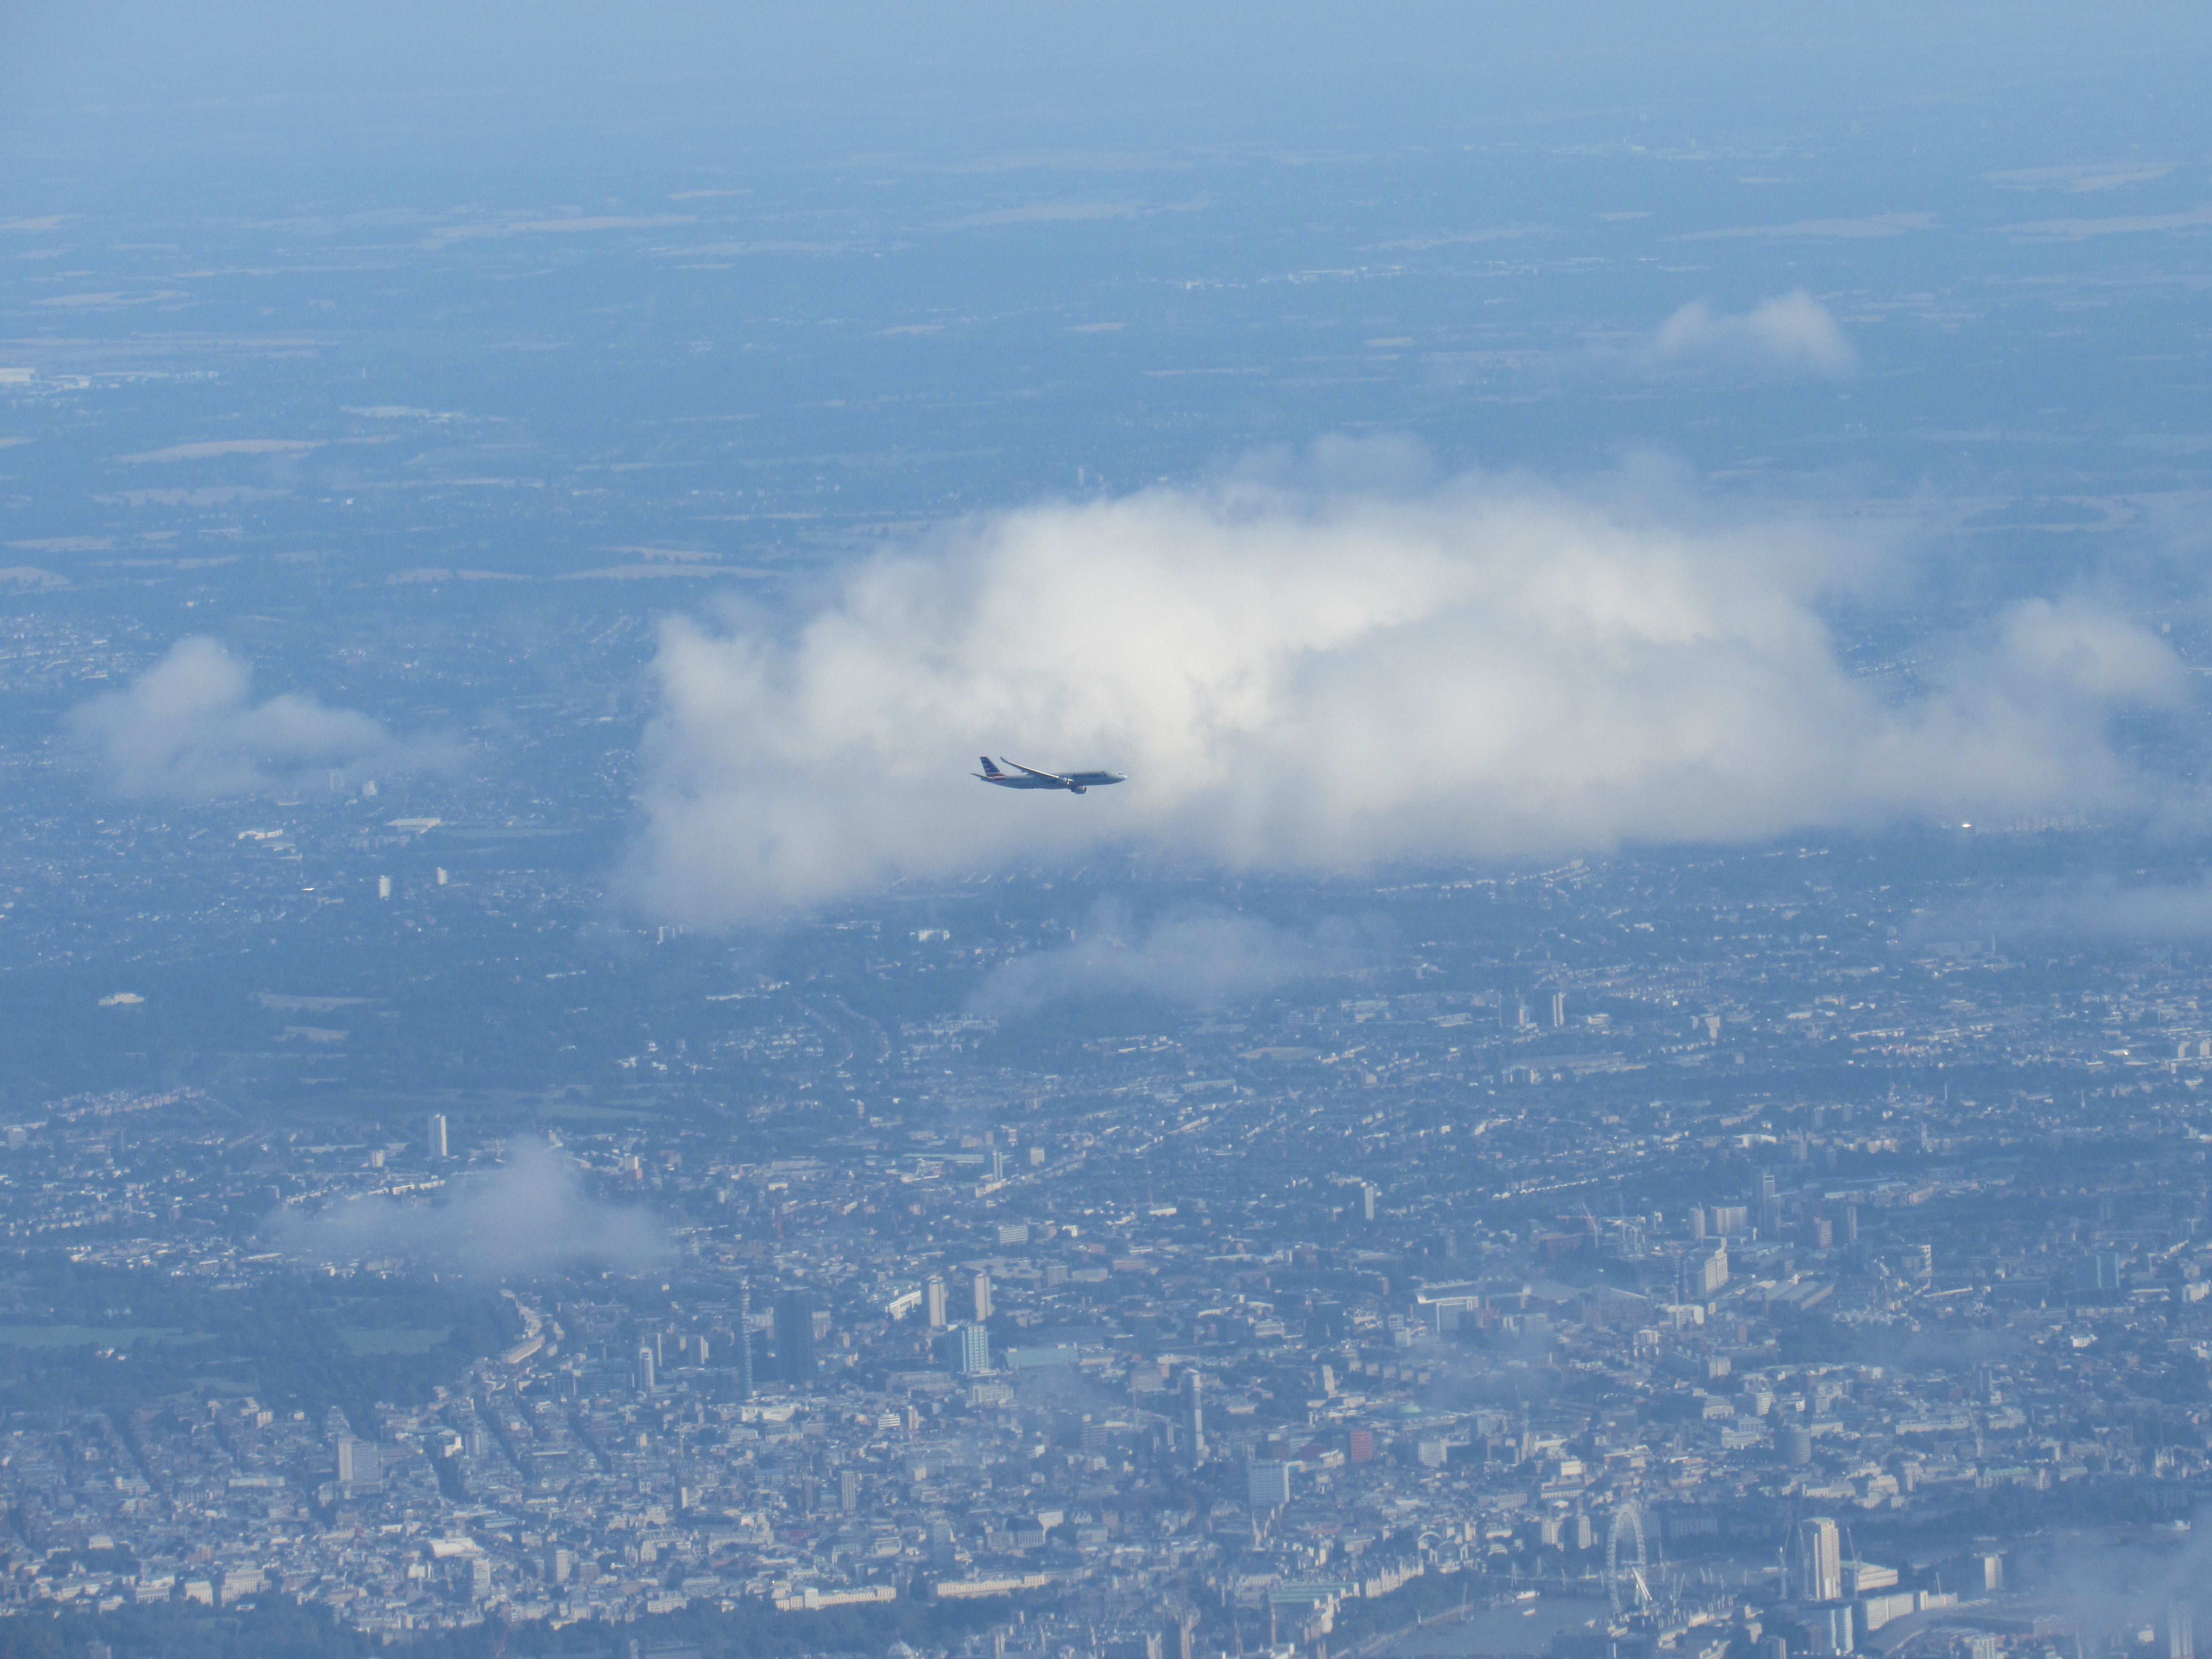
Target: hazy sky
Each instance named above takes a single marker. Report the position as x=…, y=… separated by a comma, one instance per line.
x=1430, y=429
x=399, y=81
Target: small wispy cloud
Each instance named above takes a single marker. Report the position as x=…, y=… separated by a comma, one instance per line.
x=1051, y=213
x=1791, y=334
x=2100, y=911
x=188, y=729
x=111, y=300
x=202, y=451
x=1454, y=238
x=1873, y=224
x=579, y=224
x=2133, y=224
x=530, y=1214
x=1199, y=957
x=2081, y=176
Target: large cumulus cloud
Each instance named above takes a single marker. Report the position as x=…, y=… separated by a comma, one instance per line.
x=1315, y=675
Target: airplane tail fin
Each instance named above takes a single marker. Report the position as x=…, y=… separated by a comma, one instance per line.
x=990, y=766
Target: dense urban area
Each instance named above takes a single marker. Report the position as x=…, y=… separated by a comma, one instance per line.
x=1793, y=1249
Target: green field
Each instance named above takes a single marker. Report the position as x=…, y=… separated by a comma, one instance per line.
x=78, y=1336
x=299, y=1342
x=361, y=1340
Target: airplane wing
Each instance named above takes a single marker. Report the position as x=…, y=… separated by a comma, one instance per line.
x=1054, y=777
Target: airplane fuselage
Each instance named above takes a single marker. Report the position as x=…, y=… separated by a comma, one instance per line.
x=1027, y=777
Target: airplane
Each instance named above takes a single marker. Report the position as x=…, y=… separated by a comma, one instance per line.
x=1028, y=777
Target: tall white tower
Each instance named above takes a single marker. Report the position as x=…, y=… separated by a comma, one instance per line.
x=1818, y=1567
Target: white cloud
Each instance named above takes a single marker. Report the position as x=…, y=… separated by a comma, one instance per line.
x=1318, y=674
x=1500, y=234
x=517, y=227
x=2081, y=176
x=1873, y=227
x=531, y=1214
x=1042, y=213
x=1792, y=334
x=187, y=729
x=1202, y=957
x=2071, y=650
x=2075, y=230
x=2101, y=910
x=202, y=452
